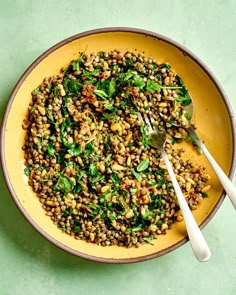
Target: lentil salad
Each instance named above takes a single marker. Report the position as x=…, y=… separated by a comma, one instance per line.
x=87, y=155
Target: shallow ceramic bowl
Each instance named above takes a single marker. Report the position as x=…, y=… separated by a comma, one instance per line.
x=213, y=116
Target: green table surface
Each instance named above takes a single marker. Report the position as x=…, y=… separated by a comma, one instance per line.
x=29, y=263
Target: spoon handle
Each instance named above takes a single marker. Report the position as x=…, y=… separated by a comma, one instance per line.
x=196, y=238
x=225, y=181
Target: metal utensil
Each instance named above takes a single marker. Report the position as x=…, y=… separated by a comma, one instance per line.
x=197, y=241
x=225, y=181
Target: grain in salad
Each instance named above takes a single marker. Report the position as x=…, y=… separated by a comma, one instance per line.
x=87, y=156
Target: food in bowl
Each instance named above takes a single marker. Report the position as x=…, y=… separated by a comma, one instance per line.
x=87, y=155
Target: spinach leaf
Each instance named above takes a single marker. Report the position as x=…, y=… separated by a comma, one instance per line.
x=64, y=184
x=100, y=93
x=93, y=170
x=165, y=66
x=97, y=178
x=148, y=240
x=112, y=215
x=139, y=83
x=145, y=135
x=74, y=86
x=143, y=165
x=108, y=105
x=89, y=75
x=204, y=195
x=56, y=92
x=36, y=91
x=112, y=88
x=77, y=228
x=104, y=196
x=27, y=171
x=50, y=149
x=115, y=179
x=109, y=117
x=135, y=229
x=75, y=151
x=152, y=86
x=75, y=65
x=89, y=149
x=137, y=175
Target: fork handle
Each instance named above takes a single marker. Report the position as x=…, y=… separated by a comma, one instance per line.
x=196, y=238
x=225, y=181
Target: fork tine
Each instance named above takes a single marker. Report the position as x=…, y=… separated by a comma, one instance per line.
x=140, y=118
x=147, y=121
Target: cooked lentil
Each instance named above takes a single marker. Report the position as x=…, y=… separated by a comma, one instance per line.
x=87, y=155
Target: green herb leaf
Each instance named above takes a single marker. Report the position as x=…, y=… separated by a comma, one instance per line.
x=137, y=175
x=74, y=86
x=143, y=165
x=75, y=65
x=111, y=88
x=49, y=115
x=133, y=191
x=108, y=158
x=165, y=66
x=96, y=158
x=135, y=229
x=89, y=149
x=115, y=179
x=109, y=117
x=108, y=105
x=138, y=82
x=89, y=74
x=56, y=92
x=188, y=116
x=204, y=195
x=64, y=184
x=93, y=170
x=62, y=228
x=151, y=182
x=40, y=168
x=36, y=91
x=97, y=178
x=153, y=86
x=104, y=196
x=100, y=93
x=50, y=149
x=148, y=240
x=75, y=152
x=27, y=171
x=77, y=229
x=112, y=215
x=145, y=135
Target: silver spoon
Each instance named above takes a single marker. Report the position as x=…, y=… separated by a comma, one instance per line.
x=225, y=181
x=196, y=238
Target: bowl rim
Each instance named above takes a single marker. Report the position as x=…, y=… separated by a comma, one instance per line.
x=158, y=36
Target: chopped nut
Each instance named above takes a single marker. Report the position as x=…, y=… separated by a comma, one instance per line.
x=115, y=127
x=128, y=163
x=92, y=237
x=164, y=226
x=41, y=110
x=49, y=203
x=206, y=188
x=117, y=167
x=188, y=186
x=105, y=188
x=129, y=214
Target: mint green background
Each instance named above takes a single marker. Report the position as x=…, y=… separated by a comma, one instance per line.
x=31, y=265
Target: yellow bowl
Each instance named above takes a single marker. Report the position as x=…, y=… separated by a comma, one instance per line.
x=213, y=116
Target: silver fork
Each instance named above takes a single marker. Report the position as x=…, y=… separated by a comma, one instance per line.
x=196, y=238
